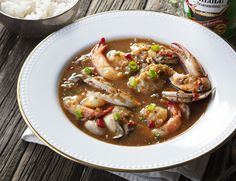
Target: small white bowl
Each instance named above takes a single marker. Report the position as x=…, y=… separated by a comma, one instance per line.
x=39, y=102
x=39, y=27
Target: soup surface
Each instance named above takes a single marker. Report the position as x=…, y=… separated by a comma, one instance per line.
x=134, y=92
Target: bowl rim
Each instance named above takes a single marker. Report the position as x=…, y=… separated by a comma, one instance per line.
x=38, y=20
x=99, y=166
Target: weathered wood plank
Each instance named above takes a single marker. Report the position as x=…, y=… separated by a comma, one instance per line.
x=11, y=123
x=9, y=74
x=96, y=174
x=99, y=6
x=7, y=42
x=165, y=6
x=84, y=7
x=117, y=4
x=12, y=158
x=40, y=163
x=134, y=4
x=30, y=158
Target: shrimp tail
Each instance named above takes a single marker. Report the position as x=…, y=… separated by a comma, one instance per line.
x=173, y=123
x=103, y=112
x=99, y=48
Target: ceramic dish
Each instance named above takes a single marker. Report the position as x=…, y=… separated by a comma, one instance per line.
x=40, y=27
x=39, y=104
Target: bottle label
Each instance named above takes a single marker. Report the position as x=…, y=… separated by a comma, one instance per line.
x=210, y=13
x=208, y=8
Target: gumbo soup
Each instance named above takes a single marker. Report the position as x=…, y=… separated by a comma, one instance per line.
x=134, y=91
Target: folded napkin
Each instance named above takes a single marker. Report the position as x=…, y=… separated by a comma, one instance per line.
x=193, y=170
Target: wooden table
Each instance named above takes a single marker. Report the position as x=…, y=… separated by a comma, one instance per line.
x=26, y=161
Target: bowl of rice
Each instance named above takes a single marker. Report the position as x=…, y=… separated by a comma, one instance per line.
x=37, y=18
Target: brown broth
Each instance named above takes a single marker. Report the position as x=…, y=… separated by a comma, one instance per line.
x=142, y=134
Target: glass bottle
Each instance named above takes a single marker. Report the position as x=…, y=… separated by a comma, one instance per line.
x=218, y=15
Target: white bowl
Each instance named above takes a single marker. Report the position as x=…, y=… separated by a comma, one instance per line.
x=39, y=102
x=38, y=28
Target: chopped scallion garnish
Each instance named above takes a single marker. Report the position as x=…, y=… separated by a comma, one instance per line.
x=133, y=66
x=152, y=73
x=156, y=47
x=151, y=107
x=87, y=70
x=133, y=82
x=78, y=113
x=116, y=116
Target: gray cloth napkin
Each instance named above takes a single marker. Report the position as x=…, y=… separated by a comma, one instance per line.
x=193, y=170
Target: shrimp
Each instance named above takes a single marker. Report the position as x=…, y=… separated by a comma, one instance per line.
x=72, y=104
x=118, y=59
x=92, y=101
x=101, y=64
x=171, y=125
x=154, y=114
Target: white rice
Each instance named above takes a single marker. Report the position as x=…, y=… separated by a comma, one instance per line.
x=35, y=9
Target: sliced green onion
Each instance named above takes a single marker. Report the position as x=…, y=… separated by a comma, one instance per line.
x=133, y=82
x=133, y=66
x=155, y=48
x=87, y=70
x=151, y=107
x=116, y=116
x=78, y=113
x=152, y=73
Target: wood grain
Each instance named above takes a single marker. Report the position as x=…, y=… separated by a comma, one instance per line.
x=23, y=161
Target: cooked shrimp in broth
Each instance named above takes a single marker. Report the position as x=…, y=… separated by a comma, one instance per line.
x=134, y=92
